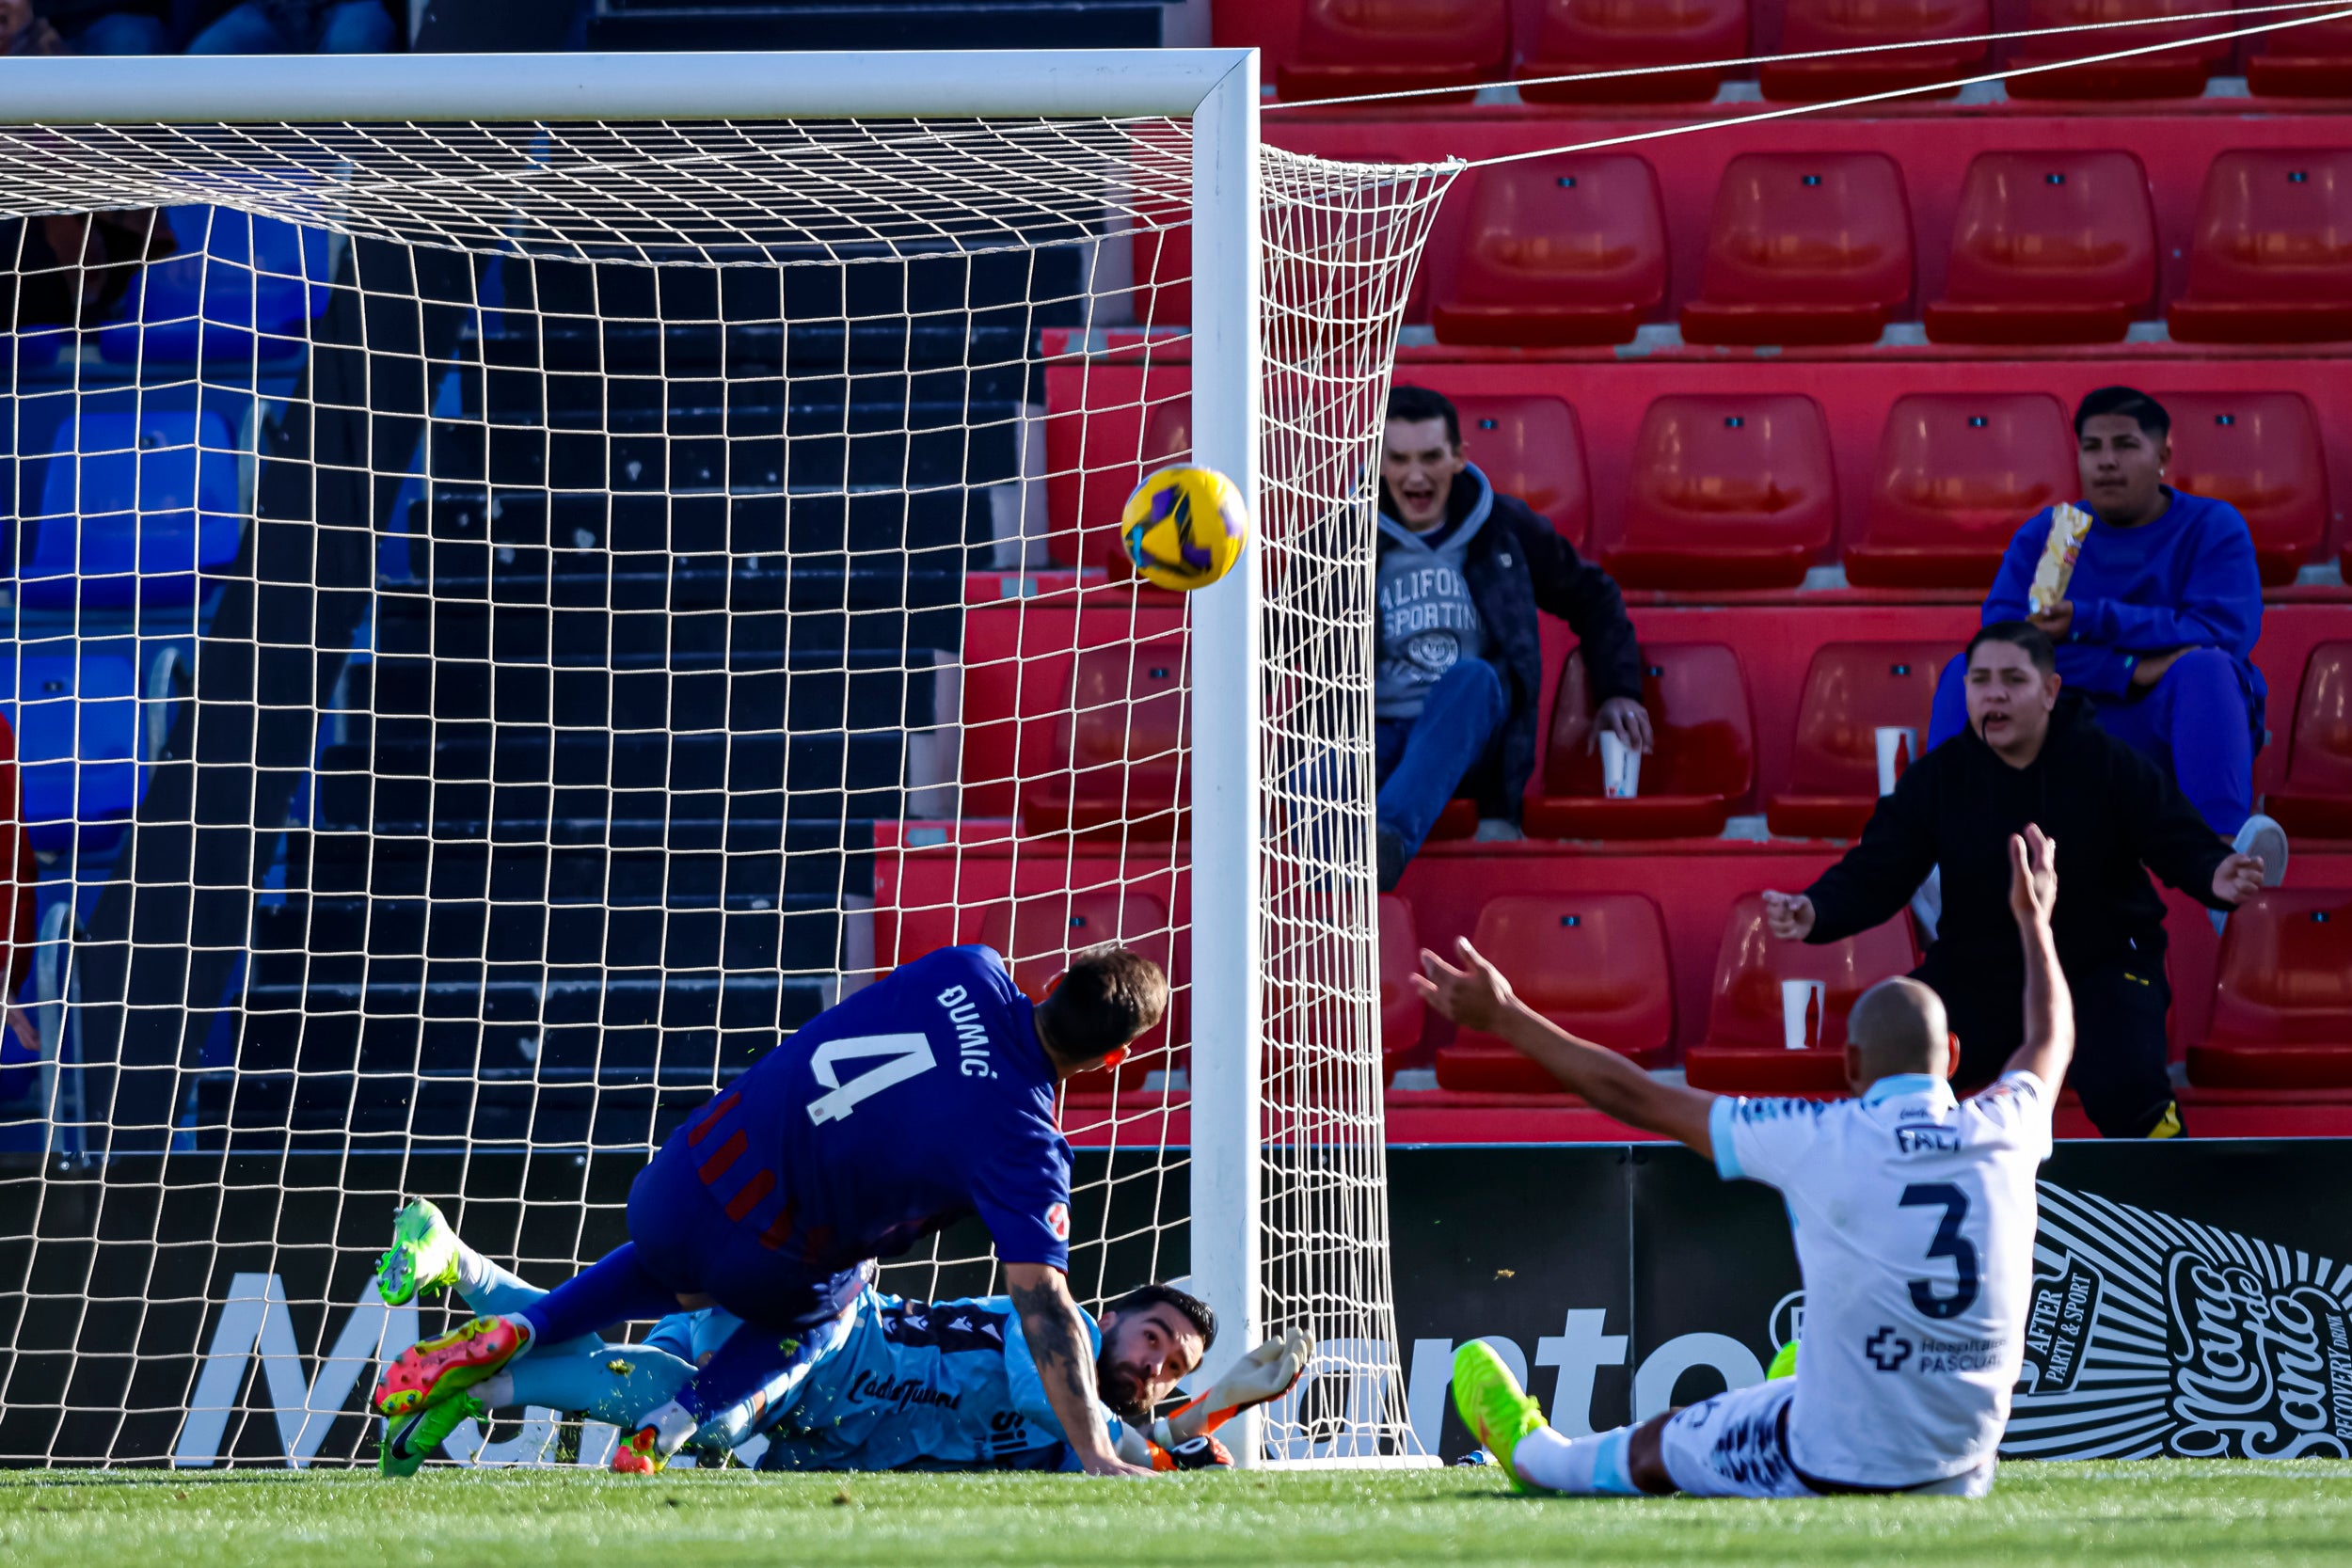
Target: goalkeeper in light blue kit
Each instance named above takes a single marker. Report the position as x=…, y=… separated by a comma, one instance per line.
x=890, y=1384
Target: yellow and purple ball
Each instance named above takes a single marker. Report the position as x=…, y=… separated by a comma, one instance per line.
x=1185, y=527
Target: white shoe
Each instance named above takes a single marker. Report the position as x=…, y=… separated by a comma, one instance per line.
x=2262, y=837
x=1496, y=829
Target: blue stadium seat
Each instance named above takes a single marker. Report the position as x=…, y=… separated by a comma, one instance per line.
x=78, y=729
x=240, y=287
x=133, y=507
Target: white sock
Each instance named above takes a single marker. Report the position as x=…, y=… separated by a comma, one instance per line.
x=475, y=1273
x=1580, y=1467
x=672, y=1426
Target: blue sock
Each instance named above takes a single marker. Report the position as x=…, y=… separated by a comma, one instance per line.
x=614, y=1383
x=615, y=1290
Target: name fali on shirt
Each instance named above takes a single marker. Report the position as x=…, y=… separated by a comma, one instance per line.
x=972, y=1053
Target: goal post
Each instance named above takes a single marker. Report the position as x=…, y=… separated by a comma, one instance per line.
x=765, y=171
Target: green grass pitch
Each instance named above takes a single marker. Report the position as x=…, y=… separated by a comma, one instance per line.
x=2245, y=1514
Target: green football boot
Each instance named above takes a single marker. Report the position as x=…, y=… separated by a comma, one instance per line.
x=422, y=1256
x=1783, y=1363
x=410, y=1440
x=1493, y=1406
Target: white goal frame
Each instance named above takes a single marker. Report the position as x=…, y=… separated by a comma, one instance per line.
x=1217, y=89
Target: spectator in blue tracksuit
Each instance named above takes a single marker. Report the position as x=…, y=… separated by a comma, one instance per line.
x=1462, y=572
x=2159, y=621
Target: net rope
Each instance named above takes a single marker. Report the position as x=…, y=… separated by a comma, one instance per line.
x=595, y=595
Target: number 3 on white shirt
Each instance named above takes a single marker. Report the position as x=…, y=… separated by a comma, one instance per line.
x=903, y=1056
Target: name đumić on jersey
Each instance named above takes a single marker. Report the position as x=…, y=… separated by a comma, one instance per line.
x=1913, y=1215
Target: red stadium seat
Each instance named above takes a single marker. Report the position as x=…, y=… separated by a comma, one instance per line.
x=1122, y=740
x=1037, y=934
x=2316, y=799
x=1810, y=26
x=1747, y=1049
x=2270, y=257
x=2259, y=451
x=2049, y=247
x=1356, y=46
x=1559, y=251
x=1530, y=447
x=1804, y=247
x=2171, y=74
x=1852, y=690
x=1726, y=492
x=1703, y=765
x=1595, y=963
x=1958, y=472
x=2313, y=60
x=1575, y=37
x=2282, y=1002
x=1401, y=1007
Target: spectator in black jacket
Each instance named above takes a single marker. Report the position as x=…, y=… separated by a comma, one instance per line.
x=1463, y=571
x=2032, y=753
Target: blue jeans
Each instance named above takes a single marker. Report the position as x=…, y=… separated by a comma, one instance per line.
x=2193, y=722
x=294, y=27
x=1421, y=760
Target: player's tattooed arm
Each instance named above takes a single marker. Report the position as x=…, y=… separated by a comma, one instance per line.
x=1058, y=1342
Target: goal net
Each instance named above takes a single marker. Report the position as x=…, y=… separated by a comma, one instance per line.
x=514, y=608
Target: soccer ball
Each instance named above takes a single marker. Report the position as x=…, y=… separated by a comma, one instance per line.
x=1185, y=527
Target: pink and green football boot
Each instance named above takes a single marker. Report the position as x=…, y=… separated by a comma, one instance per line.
x=433, y=1370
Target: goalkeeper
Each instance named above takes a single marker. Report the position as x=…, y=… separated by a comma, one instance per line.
x=891, y=1384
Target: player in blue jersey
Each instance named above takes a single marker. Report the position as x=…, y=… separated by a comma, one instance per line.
x=923, y=1099
x=895, y=1383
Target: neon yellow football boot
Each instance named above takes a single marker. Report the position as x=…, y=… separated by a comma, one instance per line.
x=422, y=1256
x=1496, y=1409
x=410, y=1440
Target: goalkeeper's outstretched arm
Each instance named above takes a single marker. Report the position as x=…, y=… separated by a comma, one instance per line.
x=1477, y=996
x=1057, y=1338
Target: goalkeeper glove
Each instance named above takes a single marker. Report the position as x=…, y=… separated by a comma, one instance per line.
x=1203, y=1452
x=1265, y=1373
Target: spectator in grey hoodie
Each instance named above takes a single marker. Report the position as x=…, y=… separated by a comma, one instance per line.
x=1463, y=571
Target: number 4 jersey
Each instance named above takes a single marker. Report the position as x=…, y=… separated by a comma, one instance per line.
x=1914, y=1214
x=919, y=1101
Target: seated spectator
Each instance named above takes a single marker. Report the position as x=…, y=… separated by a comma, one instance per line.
x=1462, y=573
x=89, y=27
x=2158, y=623
x=2029, y=754
x=298, y=28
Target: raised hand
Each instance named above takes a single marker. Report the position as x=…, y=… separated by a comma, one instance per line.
x=2033, y=877
x=1789, y=915
x=1474, y=996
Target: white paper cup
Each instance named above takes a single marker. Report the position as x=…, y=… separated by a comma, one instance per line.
x=1620, y=767
x=1898, y=749
x=1800, y=1002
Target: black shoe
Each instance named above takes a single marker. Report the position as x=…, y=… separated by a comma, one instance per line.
x=1389, y=858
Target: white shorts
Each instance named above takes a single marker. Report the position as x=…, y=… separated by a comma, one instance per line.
x=1736, y=1445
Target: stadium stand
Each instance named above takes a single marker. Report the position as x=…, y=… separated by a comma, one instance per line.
x=1560, y=251
x=1037, y=934
x=1795, y=400
x=1805, y=248
x=1956, y=471
x=2048, y=248
x=2283, y=1002
x=1746, y=1049
x=1589, y=963
x=1586, y=36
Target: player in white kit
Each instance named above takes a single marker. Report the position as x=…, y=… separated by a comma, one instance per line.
x=1914, y=1214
